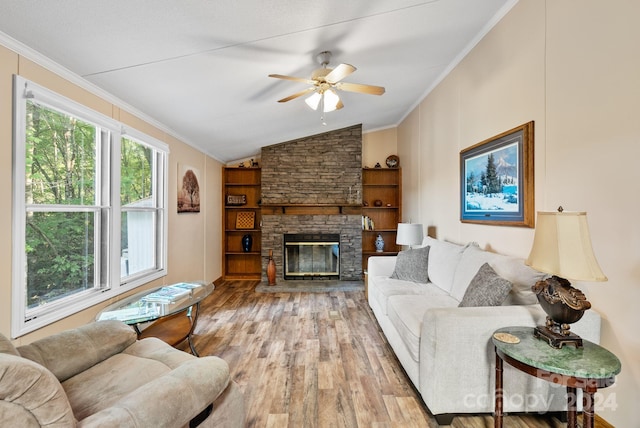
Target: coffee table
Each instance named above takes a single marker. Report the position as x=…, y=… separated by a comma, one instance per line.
x=172, y=311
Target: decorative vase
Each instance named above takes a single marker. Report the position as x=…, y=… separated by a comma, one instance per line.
x=247, y=241
x=271, y=269
x=379, y=244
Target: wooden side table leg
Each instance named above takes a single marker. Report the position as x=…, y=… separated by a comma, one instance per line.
x=572, y=407
x=497, y=417
x=588, y=412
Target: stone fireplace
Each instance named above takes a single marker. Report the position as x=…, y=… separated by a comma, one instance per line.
x=313, y=185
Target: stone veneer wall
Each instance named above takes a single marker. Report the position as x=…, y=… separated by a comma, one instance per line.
x=317, y=170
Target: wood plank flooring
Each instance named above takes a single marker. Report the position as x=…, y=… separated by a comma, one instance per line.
x=316, y=360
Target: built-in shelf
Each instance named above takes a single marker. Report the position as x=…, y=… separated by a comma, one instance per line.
x=383, y=185
x=237, y=263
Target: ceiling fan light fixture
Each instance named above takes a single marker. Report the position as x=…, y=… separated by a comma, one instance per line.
x=314, y=100
x=331, y=100
x=325, y=82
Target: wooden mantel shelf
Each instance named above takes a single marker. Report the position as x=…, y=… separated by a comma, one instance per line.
x=311, y=209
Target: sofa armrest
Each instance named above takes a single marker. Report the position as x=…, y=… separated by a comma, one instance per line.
x=171, y=400
x=450, y=330
x=70, y=352
x=30, y=395
x=381, y=265
x=464, y=335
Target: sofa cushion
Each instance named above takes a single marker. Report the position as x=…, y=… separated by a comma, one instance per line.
x=513, y=269
x=443, y=259
x=411, y=265
x=487, y=288
x=147, y=361
x=522, y=277
x=97, y=340
x=471, y=260
x=406, y=314
x=381, y=288
x=100, y=386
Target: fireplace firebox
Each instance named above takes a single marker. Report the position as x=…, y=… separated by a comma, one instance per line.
x=312, y=256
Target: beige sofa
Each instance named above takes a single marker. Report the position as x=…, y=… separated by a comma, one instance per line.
x=446, y=349
x=99, y=375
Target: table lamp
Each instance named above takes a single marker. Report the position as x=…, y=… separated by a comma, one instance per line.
x=562, y=248
x=409, y=234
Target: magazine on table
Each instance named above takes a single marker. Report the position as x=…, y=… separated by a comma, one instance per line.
x=171, y=293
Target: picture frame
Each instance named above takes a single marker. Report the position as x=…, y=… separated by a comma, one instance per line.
x=188, y=200
x=497, y=179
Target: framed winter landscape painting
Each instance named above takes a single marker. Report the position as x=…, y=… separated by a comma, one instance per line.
x=496, y=180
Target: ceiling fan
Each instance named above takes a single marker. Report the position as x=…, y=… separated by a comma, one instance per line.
x=325, y=82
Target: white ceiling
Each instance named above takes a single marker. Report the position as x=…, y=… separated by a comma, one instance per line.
x=199, y=67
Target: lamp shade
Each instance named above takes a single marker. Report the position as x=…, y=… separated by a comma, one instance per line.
x=330, y=100
x=562, y=247
x=314, y=100
x=409, y=234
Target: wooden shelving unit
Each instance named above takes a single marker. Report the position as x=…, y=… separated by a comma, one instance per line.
x=238, y=264
x=383, y=184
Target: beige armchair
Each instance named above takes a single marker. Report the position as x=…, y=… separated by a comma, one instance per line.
x=99, y=375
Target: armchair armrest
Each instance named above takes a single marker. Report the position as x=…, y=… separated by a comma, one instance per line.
x=381, y=265
x=70, y=352
x=30, y=395
x=170, y=400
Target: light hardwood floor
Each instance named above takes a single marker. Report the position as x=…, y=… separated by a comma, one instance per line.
x=316, y=360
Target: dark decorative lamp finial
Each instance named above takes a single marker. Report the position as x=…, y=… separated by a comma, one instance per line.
x=562, y=247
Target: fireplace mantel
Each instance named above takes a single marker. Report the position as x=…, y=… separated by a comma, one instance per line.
x=311, y=209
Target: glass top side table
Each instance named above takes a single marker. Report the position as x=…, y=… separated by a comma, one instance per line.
x=588, y=368
x=179, y=302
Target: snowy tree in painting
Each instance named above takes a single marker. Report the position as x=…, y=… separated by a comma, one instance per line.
x=492, y=180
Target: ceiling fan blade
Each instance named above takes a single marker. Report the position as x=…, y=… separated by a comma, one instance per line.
x=296, y=95
x=339, y=73
x=358, y=87
x=295, y=79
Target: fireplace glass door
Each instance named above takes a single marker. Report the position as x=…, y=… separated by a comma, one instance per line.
x=312, y=256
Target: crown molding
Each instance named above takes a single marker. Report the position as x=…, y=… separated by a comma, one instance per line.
x=52, y=66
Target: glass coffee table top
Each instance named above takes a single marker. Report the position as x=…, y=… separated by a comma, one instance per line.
x=155, y=303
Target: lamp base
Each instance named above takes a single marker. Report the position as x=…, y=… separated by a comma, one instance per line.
x=564, y=305
x=555, y=339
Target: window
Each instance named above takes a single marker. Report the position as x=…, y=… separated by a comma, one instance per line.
x=78, y=177
x=140, y=212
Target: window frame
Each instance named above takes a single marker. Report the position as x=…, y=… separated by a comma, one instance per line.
x=106, y=207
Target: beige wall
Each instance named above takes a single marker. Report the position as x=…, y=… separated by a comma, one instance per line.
x=378, y=145
x=194, y=251
x=572, y=67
